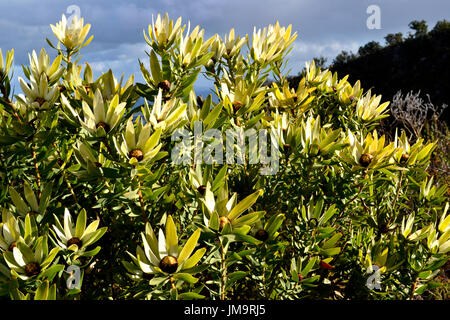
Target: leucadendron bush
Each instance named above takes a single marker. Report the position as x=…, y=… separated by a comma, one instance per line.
x=93, y=205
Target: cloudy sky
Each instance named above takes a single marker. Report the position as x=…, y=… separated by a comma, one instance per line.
x=324, y=27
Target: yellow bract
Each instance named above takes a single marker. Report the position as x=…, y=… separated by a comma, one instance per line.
x=406, y=154
x=163, y=32
x=370, y=153
x=368, y=108
x=165, y=115
x=139, y=138
x=288, y=98
x=5, y=65
x=315, y=76
x=104, y=115
x=150, y=258
x=42, y=65
x=39, y=95
x=270, y=43
x=232, y=44
x=72, y=36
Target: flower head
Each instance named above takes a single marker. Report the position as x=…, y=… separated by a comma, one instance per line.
x=162, y=254
x=39, y=95
x=5, y=65
x=368, y=108
x=31, y=206
x=138, y=143
x=71, y=35
x=41, y=65
x=163, y=32
x=270, y=43
x=77, y=238
x=225, y=214
x=405, y=154
x=10, y=233
x=369, y=153
x=165, y=115
x=28, y=261
x=104, y=116
x=316, y=138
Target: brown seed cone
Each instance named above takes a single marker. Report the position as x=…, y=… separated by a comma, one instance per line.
x=404, y=158
x=104, y=126
x=262, y=235
x=365, y=160
x=136, y=153
x=74, y=240
x=168, y=264
x=223, y=221
x=32, y=269
x=164, y=85
x=236, y=106
x=41, y=101
x=202, y=189
x=12, y=245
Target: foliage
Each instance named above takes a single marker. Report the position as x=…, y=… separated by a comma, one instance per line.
x=369, y=48
x=88, y=184
x=393, y=39
x=418, y=62
x=420, y=27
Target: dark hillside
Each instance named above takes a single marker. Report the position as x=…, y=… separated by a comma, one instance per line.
x=419, y=63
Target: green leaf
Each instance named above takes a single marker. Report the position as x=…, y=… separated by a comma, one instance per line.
x=330, y=251
x=332, y=241
x=50, y=257
x=328, y=214
x=171, y=237
x=42, y=291
x=425, y=274
x=155, y=68
x=249, y=219
x=214, y=221
x=194, y=259
x=206, y=108
x=50, y=273
x=90, y=253
x=244, y=205
x=243, y=238
x=97, y=235
x=309, y=266
x=189, y=246
x=219, y=180
x=235, y=276
x=18, y=201
x=212, y=116
x=186, y=277
x=157, y=281
x=52, y=293
x=80, y=224
x=190, y=296
x=275, y=223
x=30, y=197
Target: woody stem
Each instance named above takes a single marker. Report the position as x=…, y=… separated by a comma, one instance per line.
x=141, y=202
x=224, y=274
x=38, y=176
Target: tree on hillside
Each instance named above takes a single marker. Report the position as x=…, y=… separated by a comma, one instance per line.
x=320, y=61
x=441, y=26
x=420, y=28
x=343, y=58
x=394, y=38
x=370, y=47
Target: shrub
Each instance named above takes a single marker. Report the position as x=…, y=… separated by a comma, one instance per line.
x=106, y=197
